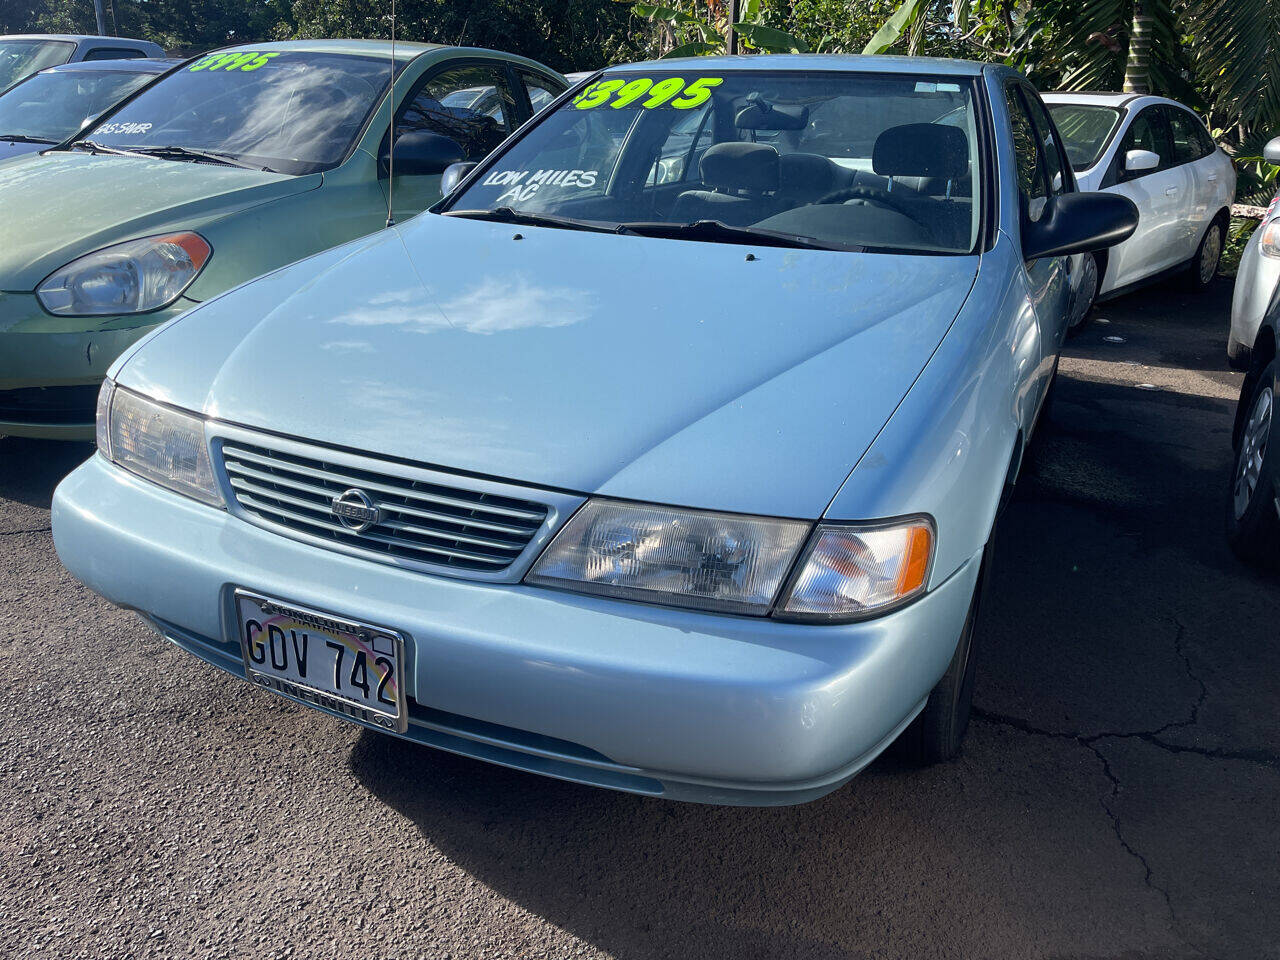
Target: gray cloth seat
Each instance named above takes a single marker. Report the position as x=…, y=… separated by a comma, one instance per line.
x=743, y=178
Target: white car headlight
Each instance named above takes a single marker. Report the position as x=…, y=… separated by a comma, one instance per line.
x=159, y=443
x=729, y=563
x=131, y=277
x=1269, y=241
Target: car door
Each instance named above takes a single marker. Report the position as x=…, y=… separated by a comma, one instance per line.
x=1191, y=151
x=1041, y=173
x=472, y=102
x=1159, y=241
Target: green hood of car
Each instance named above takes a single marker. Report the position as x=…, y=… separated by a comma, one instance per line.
x=62, y=205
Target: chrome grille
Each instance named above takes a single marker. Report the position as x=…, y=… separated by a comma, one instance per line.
x=419, y=521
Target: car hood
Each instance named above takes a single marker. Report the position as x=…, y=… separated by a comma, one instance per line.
x=12, y=148
x=710, y=375
x=61, y=205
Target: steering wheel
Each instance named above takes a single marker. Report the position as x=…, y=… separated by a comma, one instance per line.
x=881, y=198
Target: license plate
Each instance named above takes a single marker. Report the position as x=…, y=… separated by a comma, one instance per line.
x=324, y=660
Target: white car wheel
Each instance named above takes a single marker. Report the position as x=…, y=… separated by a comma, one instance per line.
x=1206, y=265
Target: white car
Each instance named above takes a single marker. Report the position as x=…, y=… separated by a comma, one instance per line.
x=1157, y=153
x=1257, y=279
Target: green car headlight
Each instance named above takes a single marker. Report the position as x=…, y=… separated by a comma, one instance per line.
x=158, y=443
x=131, y=277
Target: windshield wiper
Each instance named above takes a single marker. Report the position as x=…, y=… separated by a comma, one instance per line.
x=507, y=215
x=97, y=147
x=189, y=153
x=716, y=231
x=23, y=138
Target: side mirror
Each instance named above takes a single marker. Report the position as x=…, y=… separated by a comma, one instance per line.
x=1271, y=152
x=422, y=153
x=453, y=175
x=1079, y=223
x=1135, y=161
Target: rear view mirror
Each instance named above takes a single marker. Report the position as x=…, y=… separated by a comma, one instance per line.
x=1135, y=161
x=423, y=153
x=453, y=175
x=1271, y=152
x=1079, y=223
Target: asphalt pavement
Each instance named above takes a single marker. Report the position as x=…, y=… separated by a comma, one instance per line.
x=1118, y=797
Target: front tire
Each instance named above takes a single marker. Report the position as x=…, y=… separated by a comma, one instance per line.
x=938, y=732
x=1204, y=266
x=1253, y=526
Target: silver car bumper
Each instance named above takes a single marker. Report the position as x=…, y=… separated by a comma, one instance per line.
x=646, y=699
x=1256, y=283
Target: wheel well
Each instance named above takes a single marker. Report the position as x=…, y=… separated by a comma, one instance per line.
x=1100, y=256
x=1010, y=476
x=1263, y=352
x=1223, y=217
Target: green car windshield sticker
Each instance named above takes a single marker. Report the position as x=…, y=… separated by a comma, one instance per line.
x=648, y=93
x=244, y=62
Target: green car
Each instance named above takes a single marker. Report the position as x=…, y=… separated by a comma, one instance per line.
x=236, y=163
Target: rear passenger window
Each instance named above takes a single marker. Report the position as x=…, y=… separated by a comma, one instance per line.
x=113, y=53
x=1029, y=154
x=541, y=92
x=1187, y=131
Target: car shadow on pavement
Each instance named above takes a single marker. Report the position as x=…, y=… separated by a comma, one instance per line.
x=1123, y=645
x=31, y=469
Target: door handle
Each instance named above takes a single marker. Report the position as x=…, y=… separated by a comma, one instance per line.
x=1213, y=178
x=1172, y=191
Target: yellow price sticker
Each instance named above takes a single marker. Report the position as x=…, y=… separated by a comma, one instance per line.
x=648, y=93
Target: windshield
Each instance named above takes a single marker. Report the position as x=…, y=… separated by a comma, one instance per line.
x=844, y=160
x=1085, y=130
x=291, y=112
x=53, y=106
x=21, y=58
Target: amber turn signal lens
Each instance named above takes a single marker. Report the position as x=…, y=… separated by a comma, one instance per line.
x=851, y=572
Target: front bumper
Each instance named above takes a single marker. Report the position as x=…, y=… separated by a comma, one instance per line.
x=1257, y=280
x=651, y=700
x=47, y=362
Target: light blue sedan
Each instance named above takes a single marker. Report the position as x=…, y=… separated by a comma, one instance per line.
x=663, y=455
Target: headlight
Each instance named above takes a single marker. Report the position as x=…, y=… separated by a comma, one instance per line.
x=131, y=277
x=728, y=563
x=1269, y=242
x=159, y=443
x=690, y=558
x=851, y=572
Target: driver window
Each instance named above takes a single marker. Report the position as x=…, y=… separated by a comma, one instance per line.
x=673, y=163
x=1055, y=160
x=1029, y=155
x=1147, y=132
x=471, y=105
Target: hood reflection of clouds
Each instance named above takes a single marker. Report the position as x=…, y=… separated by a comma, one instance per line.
x=493, y=305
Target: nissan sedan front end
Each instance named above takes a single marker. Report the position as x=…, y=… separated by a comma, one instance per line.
x=663, y=456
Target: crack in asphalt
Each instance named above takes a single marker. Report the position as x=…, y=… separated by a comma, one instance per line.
x=1090, y=742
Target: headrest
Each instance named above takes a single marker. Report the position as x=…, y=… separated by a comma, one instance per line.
x=921, y=150
x=760, y=114
x=806, y=176
x=740, y=166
